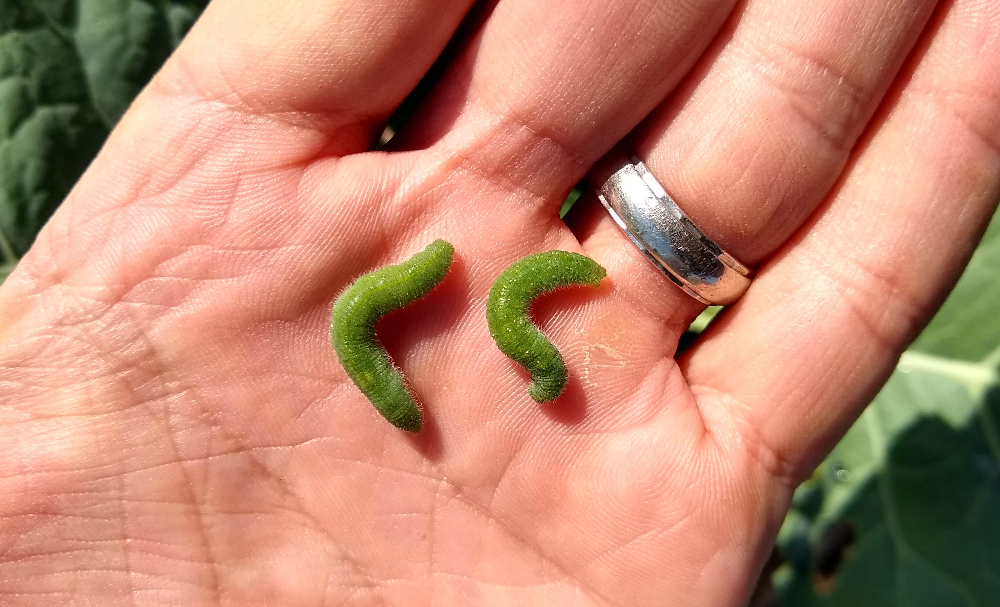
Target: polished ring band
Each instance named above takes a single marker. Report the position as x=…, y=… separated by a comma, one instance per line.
x=652, y=220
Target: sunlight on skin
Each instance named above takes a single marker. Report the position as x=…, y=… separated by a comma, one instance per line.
x=178, y=428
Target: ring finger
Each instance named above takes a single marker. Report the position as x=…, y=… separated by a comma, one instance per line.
x=752, y=142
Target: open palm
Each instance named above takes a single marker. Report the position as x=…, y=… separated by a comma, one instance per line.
x=176, y=426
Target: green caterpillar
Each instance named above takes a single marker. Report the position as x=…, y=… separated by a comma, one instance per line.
x=352, y=329
x=512, y=329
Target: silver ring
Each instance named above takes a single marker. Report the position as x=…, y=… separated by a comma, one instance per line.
x=653, y=222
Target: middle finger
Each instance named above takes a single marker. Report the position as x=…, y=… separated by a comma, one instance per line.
x=545, y=88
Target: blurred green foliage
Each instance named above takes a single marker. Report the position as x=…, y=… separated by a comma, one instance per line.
x=68, y=71
x=904, y=513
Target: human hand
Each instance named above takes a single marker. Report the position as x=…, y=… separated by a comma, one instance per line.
x=176, y=426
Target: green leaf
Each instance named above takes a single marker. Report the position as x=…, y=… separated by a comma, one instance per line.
x=916, y=481
x=68, y=71
x=5, y=270
x=968, y=326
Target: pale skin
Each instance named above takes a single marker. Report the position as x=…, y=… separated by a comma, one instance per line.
x=176, y=428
